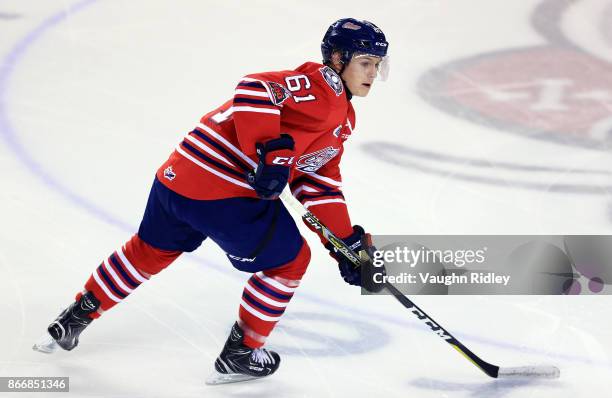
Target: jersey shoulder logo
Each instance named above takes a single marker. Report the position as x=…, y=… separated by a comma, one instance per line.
x=278, y=93
x=311, y=162
x=332, y=79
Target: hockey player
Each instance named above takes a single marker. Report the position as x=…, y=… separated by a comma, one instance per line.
x=223, y=181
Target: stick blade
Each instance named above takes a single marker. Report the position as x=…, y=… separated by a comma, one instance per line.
x=547, y=372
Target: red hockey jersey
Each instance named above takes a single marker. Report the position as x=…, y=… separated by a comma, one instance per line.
x=309, y=103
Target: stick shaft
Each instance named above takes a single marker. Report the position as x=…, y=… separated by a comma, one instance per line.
x=489, y=369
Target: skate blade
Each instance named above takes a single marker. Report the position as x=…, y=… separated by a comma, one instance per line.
x=46, y=345
x=217, y=378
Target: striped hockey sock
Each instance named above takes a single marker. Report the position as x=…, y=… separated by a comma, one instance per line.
x=264, y=300
x=114, y=280
x=124, y=270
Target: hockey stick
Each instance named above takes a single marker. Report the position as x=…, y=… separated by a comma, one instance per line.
x=490, y=369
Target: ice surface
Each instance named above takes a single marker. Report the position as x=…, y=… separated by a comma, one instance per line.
x=95, y=94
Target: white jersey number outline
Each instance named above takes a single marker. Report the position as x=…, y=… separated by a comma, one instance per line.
x=294, y=84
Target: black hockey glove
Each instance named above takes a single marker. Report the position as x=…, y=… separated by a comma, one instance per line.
x=358, y=275
x=272, y=173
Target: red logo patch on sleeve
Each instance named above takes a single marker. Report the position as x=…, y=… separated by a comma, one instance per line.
x=278, y=93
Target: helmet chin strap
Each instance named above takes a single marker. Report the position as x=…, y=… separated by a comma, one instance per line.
x=349, y=95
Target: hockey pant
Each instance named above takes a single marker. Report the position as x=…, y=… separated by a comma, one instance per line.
x=258, y=236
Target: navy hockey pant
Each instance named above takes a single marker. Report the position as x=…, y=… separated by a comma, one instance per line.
x=258, y=236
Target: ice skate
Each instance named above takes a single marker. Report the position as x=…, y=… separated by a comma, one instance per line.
x=238, y=362
x=65, y=330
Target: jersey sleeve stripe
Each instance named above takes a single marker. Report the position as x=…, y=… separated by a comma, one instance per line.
x=304, y=197
x=211, y=170
x=322, y=202
x=252, y=101
x=228, y=144
x=252, y=83
x=222, y=149
x=310, y=181
x=218, y=165
x=253, y=109
x=326, y=179
x=303, y=187
x=251, y=93
x=208, y=150
x=261, y=83
x=229, y=111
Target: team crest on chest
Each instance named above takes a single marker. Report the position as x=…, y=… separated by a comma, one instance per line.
x=332, y=79
x=278, y=93
x=312, y=162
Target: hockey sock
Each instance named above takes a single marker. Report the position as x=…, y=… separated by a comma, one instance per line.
x=125, y=270
x=266, y=296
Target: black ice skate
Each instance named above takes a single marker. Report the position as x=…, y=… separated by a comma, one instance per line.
x=65, y=330
x=238, y=362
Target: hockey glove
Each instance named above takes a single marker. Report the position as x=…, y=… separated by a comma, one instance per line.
x=352, y=274
x=272, y=173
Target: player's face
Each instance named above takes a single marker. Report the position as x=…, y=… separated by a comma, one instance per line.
x=360, y=73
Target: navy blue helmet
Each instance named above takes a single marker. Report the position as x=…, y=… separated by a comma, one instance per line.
x=349, y=35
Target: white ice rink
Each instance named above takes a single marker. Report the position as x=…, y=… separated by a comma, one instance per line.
x=95, y=94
